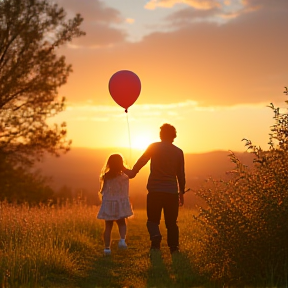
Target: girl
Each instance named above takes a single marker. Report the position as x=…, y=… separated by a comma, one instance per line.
x=115, y=200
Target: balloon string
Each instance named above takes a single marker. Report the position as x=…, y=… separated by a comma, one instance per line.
x=129, y=139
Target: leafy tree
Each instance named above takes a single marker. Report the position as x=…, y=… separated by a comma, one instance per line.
x=19, y=185
x=244, y=224
x=31, y=73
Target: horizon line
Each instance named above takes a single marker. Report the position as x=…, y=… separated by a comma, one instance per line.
x=139, y=150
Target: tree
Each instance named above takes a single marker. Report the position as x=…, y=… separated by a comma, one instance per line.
x=31, y=73
x=19, y=185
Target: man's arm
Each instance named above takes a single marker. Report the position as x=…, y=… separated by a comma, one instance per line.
x=181, y=174
x=181, y=180
x=181, y=199
x=142, y=161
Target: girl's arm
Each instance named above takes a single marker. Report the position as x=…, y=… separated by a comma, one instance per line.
x=130, y=173
x=102, y=186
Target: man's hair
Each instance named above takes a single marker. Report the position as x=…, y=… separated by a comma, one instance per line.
x=167, y=132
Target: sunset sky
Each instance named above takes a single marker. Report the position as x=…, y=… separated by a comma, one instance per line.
x=208, y=67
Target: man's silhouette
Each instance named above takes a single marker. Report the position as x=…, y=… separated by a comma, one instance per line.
x=166, y=179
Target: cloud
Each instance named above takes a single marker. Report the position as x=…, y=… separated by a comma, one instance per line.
x=98, y=23
x=243, y=61
x=130, y=20
x=103, y=113
x=196, y=126
x=93, y=10
x=281, y=4
x=99, y=35
x=189, y=15
x=220, y=14
x=198, y=4
x=92, y=109
x=140, y=111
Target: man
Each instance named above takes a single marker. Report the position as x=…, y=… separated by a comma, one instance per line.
x=167, y=177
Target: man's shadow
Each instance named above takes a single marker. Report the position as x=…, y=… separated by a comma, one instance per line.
x=177, y=274
x=158, y=275
x=183, y=272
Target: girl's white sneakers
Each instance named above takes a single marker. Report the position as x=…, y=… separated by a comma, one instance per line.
x=122, y=244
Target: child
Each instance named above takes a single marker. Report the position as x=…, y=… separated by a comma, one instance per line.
x=115, y=200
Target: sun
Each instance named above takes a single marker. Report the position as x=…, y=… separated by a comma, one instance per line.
x=141, y=141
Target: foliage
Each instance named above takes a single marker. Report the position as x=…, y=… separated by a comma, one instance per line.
x=245, y=232
x=19, y=185
x=31, y=73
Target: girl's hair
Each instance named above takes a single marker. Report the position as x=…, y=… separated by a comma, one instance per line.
x=113, y=167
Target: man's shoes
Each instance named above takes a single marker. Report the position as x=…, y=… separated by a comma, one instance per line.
x=122, y=244
x=155, y=248
x=174, y=250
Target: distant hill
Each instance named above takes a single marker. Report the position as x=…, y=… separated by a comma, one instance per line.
x=80, y=169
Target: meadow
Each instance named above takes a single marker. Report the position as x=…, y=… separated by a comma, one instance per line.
x=49, y=246
x=233, y=242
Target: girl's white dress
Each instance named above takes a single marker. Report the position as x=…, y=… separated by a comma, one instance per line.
x=115, y=201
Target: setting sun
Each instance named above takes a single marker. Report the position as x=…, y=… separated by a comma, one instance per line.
x=141, y=141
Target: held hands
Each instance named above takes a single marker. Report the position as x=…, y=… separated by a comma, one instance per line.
x=130, y=173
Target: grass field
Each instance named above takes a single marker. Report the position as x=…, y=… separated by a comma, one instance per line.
x=63, y=247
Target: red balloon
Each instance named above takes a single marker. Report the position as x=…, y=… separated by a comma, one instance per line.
x=125, y=88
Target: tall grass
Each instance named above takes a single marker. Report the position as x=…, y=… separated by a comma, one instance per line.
x=37, y=242
x=50, y=247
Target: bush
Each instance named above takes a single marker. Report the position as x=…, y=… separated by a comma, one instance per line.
x=244, y=224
